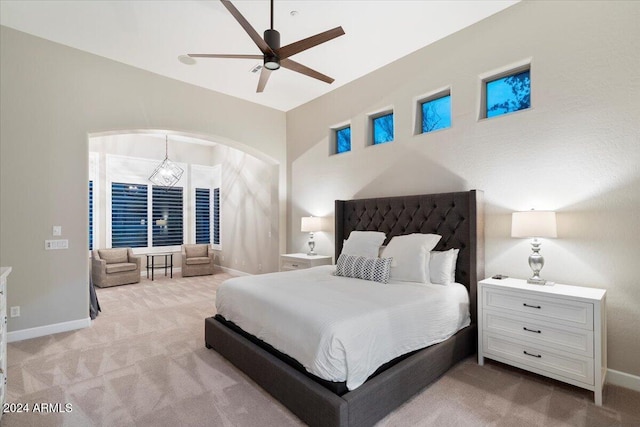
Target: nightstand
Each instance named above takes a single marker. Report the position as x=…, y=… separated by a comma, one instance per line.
x=300, y=261
x=558, y=331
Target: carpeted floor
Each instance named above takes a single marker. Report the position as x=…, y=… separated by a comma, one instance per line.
x=143, y=363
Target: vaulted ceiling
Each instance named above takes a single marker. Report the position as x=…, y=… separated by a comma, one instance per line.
x=153, y=35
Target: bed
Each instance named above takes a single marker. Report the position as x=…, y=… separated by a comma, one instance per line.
x=458, y=218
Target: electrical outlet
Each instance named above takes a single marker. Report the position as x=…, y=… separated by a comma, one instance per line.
x=15, y=311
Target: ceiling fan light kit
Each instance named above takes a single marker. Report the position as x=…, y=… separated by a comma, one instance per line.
x=273, y=55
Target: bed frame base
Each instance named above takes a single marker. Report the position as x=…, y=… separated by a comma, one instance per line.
x=317, y=406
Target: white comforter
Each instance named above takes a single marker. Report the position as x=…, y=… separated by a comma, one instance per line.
x=338, y=328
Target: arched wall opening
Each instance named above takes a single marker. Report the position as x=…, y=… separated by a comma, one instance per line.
x=247, y=179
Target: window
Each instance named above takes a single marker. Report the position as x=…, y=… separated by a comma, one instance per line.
x=382, y=128
x=205, y=223
x=435, y=113
x=216, y=216
x=343, y=140
x=90, y=215
x=205, y=181
x=508, y=93
x=128, y=215
x=167, y=216
x=203, y=215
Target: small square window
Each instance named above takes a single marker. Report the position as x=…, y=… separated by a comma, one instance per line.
x=436, y=113
x=508, y=94
x=383, y=128
x=343, y=140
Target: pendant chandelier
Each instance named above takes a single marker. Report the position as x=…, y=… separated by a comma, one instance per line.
x=167, y=174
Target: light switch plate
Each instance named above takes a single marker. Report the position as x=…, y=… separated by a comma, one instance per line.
x=57, y=230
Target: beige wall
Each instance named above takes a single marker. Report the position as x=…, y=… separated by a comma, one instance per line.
x=576, y=151
x=53, y=97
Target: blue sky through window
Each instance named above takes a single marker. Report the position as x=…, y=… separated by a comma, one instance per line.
x=343, y=140
x=508, y=94
x=436, y=114
x=383, y=129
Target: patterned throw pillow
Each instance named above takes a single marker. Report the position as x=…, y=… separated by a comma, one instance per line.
x=359, y=267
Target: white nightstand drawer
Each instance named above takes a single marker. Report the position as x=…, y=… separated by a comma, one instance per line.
x=572, y=313
x=563, y=338
x=290, y=262
x=294, y=265
x=522, y=354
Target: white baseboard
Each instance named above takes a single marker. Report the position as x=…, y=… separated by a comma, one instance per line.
x=623, y=379
x=25, y=334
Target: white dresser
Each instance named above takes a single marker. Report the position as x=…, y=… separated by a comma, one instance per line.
x=4, y=272
x=558, y=331
x=300, y=261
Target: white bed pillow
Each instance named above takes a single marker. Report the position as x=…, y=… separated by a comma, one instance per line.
x=442, y=266
x=363, y=243
x=409, y=253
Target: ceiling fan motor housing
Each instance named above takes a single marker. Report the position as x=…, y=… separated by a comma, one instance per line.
x=272, y=37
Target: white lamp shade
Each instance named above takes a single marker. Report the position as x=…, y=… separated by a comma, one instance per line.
x=534, y=224
x=311, y=224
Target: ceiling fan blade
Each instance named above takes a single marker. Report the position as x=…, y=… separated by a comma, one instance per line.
x=309, y=42
x=264, y=47
x=302, y=69
x=215, y=55
x=264, y=77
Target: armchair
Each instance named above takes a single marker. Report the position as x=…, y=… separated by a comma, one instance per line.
x=113, y=267
x=197, y=260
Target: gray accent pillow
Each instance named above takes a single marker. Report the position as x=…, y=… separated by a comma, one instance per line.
x=359, y=267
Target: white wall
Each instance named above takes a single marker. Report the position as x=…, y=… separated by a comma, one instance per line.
x=53, y=98
x=576, y=151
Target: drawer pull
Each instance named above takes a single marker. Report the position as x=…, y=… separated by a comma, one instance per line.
x=531, y=330
x=532, y=355
x=531, y=306
x=294, y=265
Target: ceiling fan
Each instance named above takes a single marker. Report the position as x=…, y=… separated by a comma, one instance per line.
x=273, y=55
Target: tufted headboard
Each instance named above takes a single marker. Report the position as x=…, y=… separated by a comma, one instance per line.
x=457, y=217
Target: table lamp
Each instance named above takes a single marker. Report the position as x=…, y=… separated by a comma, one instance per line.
x=311, y=224
x=534, y=224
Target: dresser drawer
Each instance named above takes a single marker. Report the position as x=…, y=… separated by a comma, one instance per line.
x=571, y=313
x=539, y=358
x=562, y=338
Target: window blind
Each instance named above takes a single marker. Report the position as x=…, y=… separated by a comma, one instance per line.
x=128, y=215
x=90, y=215
x=203, y=215
x=216, y=216
x=167, y=216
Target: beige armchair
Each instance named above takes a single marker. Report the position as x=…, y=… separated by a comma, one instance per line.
x=197, y=260
x=113, y=267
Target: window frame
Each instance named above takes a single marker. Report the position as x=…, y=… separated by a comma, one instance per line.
x=371, y=134
x=509, y=70
x=428, y=97
x=209, y=177
x=334, y=138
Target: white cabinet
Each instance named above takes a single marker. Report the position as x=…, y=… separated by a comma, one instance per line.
x=299, y=261
x=557, y=331
x=4, y=272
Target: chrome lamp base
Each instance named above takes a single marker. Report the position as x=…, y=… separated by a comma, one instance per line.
x=312, y=245
x=536, y=262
